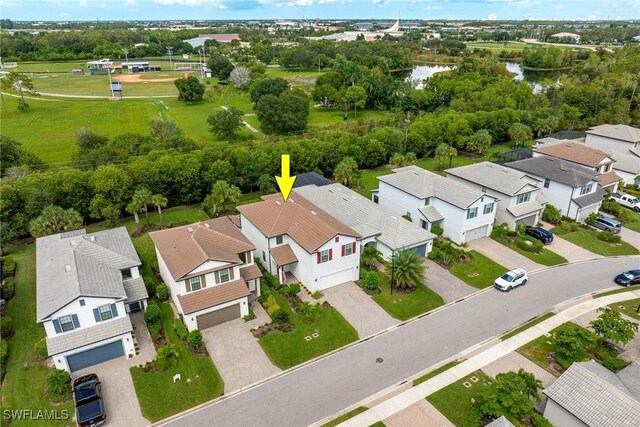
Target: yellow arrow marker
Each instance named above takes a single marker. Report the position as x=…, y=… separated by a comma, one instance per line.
x=285, y=182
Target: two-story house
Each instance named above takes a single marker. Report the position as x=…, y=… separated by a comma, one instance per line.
x=86, y=286
x=518, y=195
x=581, y=154
x=299, y=238
x=623, y=143
x=427, y=198
x=210, y=271
x=571, y=188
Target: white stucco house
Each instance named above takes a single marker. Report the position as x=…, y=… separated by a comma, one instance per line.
x=427, y=198
x=518, y=197
x=623, y=143
x=571, y=188
x=86, y=286
x=210, y=271
x=297, y=238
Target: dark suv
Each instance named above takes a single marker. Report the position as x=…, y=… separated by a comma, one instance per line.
x=540, y=233
x=87, y=396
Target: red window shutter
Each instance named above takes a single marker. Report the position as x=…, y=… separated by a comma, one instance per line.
x=319, y=258
x=337, y=239
x=343, y=249
x=354, y=248
x=330, y=254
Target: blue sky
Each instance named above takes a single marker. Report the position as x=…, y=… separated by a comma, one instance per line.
x=298, y=9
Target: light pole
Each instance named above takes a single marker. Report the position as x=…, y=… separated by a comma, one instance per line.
x=170, y=52
x=110, y=82
x=126, y=55
x=393, y=267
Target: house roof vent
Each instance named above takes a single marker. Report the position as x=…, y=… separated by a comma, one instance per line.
x=73, y=243
x=278, y=202
x=206, y=224
x=314, y=212
x=190, y=229
x=92, y=238
x=67, y=268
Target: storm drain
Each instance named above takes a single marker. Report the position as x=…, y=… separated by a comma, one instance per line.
x=379, y=360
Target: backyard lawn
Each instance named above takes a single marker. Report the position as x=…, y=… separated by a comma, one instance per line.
x=629, y=307
x=290, y=349
x=24, y=381
x=588, y=239
x=454, y=401
x=479, y=273
x=159, y=396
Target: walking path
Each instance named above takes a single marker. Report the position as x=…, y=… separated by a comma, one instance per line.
x=251, y=128
x=503, y=255
x=416, y=394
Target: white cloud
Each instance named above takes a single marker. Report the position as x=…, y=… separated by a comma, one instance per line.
x=558, y=7
x=82, y=3
x=376, y=1
x=63, y=14
x=126, y=3
x=300, y=3
x=191, y=3
x=327, y=1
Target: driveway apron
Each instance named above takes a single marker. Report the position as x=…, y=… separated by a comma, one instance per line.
x=445, y=284
x=503, y=255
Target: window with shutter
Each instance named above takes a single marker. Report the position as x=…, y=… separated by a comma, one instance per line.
x=56, y=326
x=105, y=312
x=96, y=315
x=76, y=321
x=330, y=254
x=318, y=258
x=66, y=323
x=354, y=247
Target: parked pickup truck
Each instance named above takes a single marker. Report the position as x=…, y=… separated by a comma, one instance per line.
x=627, y=201
x=87, y=393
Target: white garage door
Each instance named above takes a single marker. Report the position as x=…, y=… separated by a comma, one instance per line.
x=476, y=233
x=530, y=220
x=335, y=278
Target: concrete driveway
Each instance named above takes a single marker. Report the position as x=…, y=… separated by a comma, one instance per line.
x=630, y=236
x=571, y=251
x=364, y=314
x=237, y=355
x=503, y=255
x=120, y=402
x=445, y=284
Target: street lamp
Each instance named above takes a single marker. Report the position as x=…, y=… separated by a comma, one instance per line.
x=393, y=267
x=170, y=52
x=126, y=55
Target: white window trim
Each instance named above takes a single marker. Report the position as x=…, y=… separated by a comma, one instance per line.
x=62, y=329
x=484, y=209
x=348, y=249
x=322, y=256
x=523, y=198
x=199, y=283
x=102, y=318
x=472, y=213
x=228, y=275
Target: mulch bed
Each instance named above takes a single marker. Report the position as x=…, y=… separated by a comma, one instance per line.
x=149, y=228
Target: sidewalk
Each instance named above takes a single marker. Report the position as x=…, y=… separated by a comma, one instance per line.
x=416, y=394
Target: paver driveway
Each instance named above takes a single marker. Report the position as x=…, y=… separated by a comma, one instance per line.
x=570, y=251
x=630, y=236
x=237, y=355
x=364, y=314
x=503, y=255
x=445, y=284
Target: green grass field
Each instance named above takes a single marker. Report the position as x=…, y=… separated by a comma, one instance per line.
x=509, y=46
x=479, y=273
x=628, y=307
x=588, y=239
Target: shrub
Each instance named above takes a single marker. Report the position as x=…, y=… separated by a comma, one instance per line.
x=41, y=349
x=407, y=217
x=6, y=326
x=609, y=237
x=152, y=314
x=551, y=214
x=181, y=329
x=265, y=293
x=591, y=219
x=500, y=233
x=435, y=254
x=194, y=339
x=538, y=420
x=166, y=358
x=317, y=295
x=437, y=230
x=279, y=316
x=569, y=226
x=58, y=384
x=154, y=329
x=292, y=289
x=610, y=206
x=162, y=291
x=150, y=283
x=8, y=289
x=626, y=215
x=4, y=355
x=8, y=267
x=529, y=244
x=371, y=280
x=610, y=361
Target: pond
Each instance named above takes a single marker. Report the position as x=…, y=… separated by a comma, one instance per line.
x=420, y=73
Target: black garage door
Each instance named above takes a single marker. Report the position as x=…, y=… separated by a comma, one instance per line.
x=95, y=355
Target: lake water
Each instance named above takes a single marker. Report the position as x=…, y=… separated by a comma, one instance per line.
x=422, y=72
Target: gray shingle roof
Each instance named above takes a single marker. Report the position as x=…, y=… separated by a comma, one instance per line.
x=525, y=208
x=70, y=265
x=85, y=336
x=626, y=162
x=496, y=177
x=597, y=396
x=135, y=290
x=431, y=213
x=423, y=184
x=556, y=169
x=620, y=132
x=591, y=198
x=500, y=422
x=630, y=377
x=364, y=216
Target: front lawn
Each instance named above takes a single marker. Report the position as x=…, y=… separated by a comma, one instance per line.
x=588, y=239
x=292, y=348
x=635, y=226
x=628, y=307
x=405, y=305
x=159, y=396
x=454, y=401
x=480, y=273
x=24, y=382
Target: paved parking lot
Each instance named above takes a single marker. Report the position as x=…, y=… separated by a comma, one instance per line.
x=237, y=355
x=503, y=255
x=445, y=284
x=364, y=314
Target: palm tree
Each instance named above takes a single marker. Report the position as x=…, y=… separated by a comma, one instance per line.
x=443, y=151
x=135, y=207
x=221, y=194
x=55, y=219
x=345, y=171
x=408, y=269
x=371, y=255
x=159, y=201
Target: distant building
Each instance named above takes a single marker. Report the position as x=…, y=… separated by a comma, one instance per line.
x=575, y=37
x=220, y=38
x=363, y=32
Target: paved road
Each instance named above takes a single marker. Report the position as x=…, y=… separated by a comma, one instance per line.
x=317, y=390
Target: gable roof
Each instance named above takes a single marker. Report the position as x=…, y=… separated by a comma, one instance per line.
x=627, y=162
x=598, y=397
x=423, y=184
x=311, y=178
x=187, y=247
x=619, y=132
x=555, y=169
x=496, y=177
x=574, y=152
x=213, y=295
x=74, y=264
x=305, y=223
x=366, y=217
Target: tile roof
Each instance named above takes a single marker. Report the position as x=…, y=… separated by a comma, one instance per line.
x=500, y=422
x=591, y=198
x=598, y=397
x=283, y=255
x=555, y=169
x=621, y=132
x=525, y=208
x=423, y=184
x=213, y=295
x=431, y=213
x=74, y=264
x=496, y=177
x=250, y=272
x=608, y=178
x=187, y=247
x=135, y=290
x=91, y=335
x=364, y=216
x=305, y=223
x=574, y=152
x=627, y=162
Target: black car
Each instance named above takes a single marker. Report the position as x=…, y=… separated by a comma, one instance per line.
x=628, y=278
x=87, y=394
x=540, y=233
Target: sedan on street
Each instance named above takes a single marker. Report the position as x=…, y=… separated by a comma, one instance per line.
x=628, y=278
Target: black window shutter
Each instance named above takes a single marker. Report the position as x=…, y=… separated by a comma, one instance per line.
x=56, y=326
x=114, y=310
x=76, y=322
x=96, y=314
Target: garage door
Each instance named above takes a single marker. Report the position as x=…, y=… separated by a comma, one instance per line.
x=95, y=355
x=530, y=220
x=335, y=278
x=420, y=250
x=219, y=316
x=476, y=233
